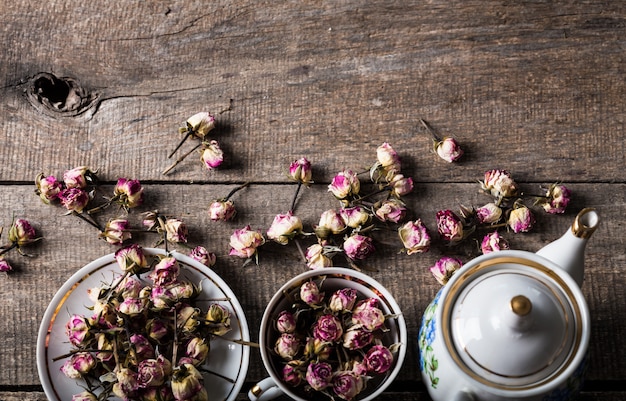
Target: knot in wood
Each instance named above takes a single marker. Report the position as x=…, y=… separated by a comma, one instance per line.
x=59, y=96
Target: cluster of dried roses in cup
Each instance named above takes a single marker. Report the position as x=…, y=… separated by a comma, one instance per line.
x=331, y=344
x=147, y=337
x=506, y=210
x=21, y=233
x=76, y=192
x=345, y=230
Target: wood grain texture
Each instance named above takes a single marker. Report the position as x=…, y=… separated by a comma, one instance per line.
x=536, y=88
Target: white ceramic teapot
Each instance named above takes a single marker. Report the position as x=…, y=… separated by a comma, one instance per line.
x=511, y=325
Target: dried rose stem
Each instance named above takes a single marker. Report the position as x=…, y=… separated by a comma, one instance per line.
x=7, y=249
x=295, y=198
x=231, y=193
x=430, y=130
x=85, y=219
x=187, y=135
x=180, y=159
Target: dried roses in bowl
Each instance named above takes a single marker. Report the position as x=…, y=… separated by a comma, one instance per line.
x=331, y=334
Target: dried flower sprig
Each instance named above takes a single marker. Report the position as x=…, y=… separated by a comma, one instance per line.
x=21, y=234
x=224, y=209
x=447, y=148
x=331, y=344
x=147, y=337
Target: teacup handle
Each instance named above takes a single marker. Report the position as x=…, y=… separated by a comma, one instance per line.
x=265, y=390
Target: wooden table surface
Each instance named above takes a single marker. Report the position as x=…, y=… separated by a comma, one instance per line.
x=535, y=88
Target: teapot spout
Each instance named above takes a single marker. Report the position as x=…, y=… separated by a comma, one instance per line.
x=568, y=251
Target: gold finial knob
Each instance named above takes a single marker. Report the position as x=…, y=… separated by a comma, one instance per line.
x=520, y=305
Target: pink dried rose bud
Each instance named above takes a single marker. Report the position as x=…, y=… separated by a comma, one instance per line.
x=77, y=330
x=22, y=233
x=291, y=375
x=199, y=125
x=378, y=359
x=387, y=157
x=493, y=242
x=345, y=184
x=131, y=259
x=74, y=199
x=187, y=384
x=222, y=210
x=342, y=300
x=284, y=227
x=212, y=155
x=116, y=231
x=414, y=236
x=285, y=322
x=327, y=328
x=126, y=385
x=319, y=375
x=133, y=306
x=300, y=171
x=129, y=193
x=48, y=188
x=153, y=372
x=203, y=256
x=392, y=210
x=358, y=247
x=77, y=177
x=357, y=338
x=317, y=349
x=310, y=293
x=157, y=330
x=84, y=396
x=521, y=219
x=489, y=213
x=5, y=266
x=444, y=268
x=176, y=230
x=450, y=226
x=556, y=200
x=448, y=149
x=218, y=314
x=347, y=384
x=500, y=184
x=165, y=272
x=315, y=257
x=287, y=346
x=105, y=348
x=331, y=222
x=401, y=185
x=355, y=216
x=141, y=345
x=244, y=242
x=367, y=314
x=78, y=365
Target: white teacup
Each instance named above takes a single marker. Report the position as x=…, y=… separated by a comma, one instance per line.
x=335, y=278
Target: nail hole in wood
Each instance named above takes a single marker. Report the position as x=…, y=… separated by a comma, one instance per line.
x=59, y=96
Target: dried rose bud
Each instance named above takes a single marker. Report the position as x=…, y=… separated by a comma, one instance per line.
x=378, y=359
x=444, y=268
x=199, y=125
x=105, y=349
x=358, y=247
x=69, y=370
x=392, y=210
x=218, y=314
x=450, y=226
x=291, y=375
x=116, y=231
x=162, y=298
x=150, y=220
x=142, y=347
x=131, y=259
x=126, y=384
x=244, y=242
x=284, y=227
x=84, y=396
x=188, y=319
x=79, y=364
x=183, y=290
x=310, y=293
x=74, y=199
x=327, y=328
x=77, y=177
x=5, y=266
x=521, y=219
x=153, y=372
x=401, y=185
x=331, y=221
x=448, y=149
x=359, y=367
x=357, y=338
x=176, y=230
x=345, y=184
x=489, y=213
x=315, y=257
x=317, y=349
x=347, y=385
x=500, y=184
x=285, y=322
x=355, y=216
x=133, y=306
x=212, y=155
x=367, y=314
x=287, y=346
x=388, y=158
x=556, y=200
x=22, y=233
x=342, y=300
x=77, y=330
x=223, y=210
x=197, y=350
x=157, y=330
x=319, y=375
x=48, y=188
x=187, y=384
x=414, y=236
x=203, y=256
x=129, y=193
x=300, y=171
x=493, y=242
x=165, y=272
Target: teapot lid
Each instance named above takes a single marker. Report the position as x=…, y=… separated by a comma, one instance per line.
x=512, y=323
